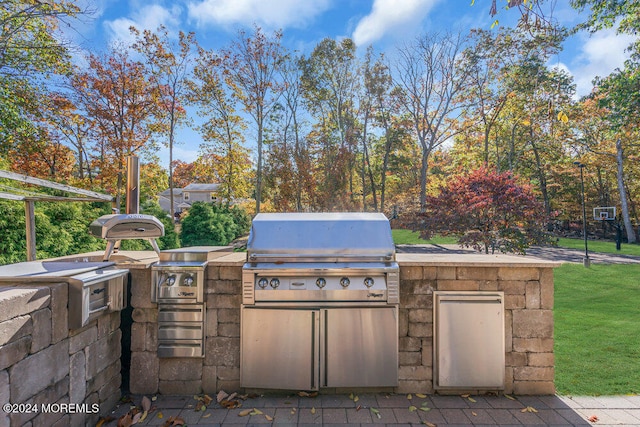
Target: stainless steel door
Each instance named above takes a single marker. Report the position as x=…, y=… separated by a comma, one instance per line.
x=469, y=340
x=360, y=347
x=279, y=348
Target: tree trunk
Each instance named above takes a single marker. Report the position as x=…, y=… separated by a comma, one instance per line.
x=423, y=180
x=259, y=169
x=631, y=235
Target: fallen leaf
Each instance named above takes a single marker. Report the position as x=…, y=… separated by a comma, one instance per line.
x=375, y=412
x=177, y=421
x=206, y=415
x=293, y=411
x=256, y=412
x=474, y=414
x=103, y=420
x=427, y=423
x=593, y=418
x=244, y=413
x=412, y=408
x=154, y=398
x=243, y=396
x=268, y=417
x=222, y=395
x=126, y=420
x=146, y=404
x=313, y=410
x=356, y=398
x=160, y=415
x=509, y=397
x=303, y=394
x=358, y=408
x=420, y=395
x=232, y=396
x=207, y=399
x=465, y=395
x=409, y=397
x=351, y=396
x=143, y=416
x=425, y=409
x=471, y=399
x=529, y=409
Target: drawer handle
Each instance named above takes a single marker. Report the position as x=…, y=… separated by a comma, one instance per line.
x=97, y=291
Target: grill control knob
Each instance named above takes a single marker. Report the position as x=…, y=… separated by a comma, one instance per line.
x=171, y=280
x=321, y=283
x=274, y=283
x=368, y=282
x=344, y=282
x=263, y=283
x=188, y=281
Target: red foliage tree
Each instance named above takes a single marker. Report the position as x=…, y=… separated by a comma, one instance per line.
x=486, y=210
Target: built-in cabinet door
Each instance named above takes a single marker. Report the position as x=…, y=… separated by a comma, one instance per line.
x=279, y=348
x=360, y=347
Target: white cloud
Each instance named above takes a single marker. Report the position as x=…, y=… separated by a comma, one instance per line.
x=390, y=16
x=272, y=14
x=148, y=17
x=599, y=55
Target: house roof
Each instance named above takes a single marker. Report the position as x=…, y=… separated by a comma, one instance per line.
x=167, y=192
x=201, y=187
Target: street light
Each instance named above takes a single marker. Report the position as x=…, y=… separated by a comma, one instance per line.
x=585, y=261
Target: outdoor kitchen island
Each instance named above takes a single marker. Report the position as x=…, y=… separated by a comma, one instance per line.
x=525, y=283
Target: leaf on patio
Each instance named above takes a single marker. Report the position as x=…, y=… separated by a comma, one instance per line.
x=358, y=408
x=412, y=408
x=421, y=396
x=244, y=413
x=375, y=412
x=474, y=414
x=293, y=411
x=509, y=397
x=409, y=397
x=160, y=415
x=256, y=412
x=146, y=404
x=529, y=409
x=126, y=420
x=356, y=398
x=268, y=417
x=206, y=415
x=427, y=423
x=207, y=399
x=222, y=395
x=313, y=410
x=471, y=399
x=593, y=419
x=104, y=420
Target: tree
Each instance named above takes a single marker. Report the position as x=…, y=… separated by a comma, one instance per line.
x=223, y=131
x=30, y=50
x=251, y=65
x=204, y=226
x=169, y=67
x=120, y=103
x=329, y=82
x=486, y=210
x=430, y=79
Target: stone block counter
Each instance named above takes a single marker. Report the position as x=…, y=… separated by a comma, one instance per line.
x=527, y=284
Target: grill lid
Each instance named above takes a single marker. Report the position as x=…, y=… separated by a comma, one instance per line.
x=127, y=226
x=320, y=237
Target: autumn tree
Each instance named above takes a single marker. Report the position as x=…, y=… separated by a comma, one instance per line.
x=31, y=49
x=169, y=64
x=223, y=128
x=485, y=210
x=330, y=80
x=251, y=65
x=120, y=103
x=430, y=79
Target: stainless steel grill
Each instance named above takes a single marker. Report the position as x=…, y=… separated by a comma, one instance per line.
x=177, y=285
x=320, y=302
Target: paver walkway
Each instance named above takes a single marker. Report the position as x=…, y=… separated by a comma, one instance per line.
x=396, y=410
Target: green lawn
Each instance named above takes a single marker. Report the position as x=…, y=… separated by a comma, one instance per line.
x=597, y=329
x=408, y=237
x=600, y=246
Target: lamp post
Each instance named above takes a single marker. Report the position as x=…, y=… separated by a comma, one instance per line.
x=585, y=261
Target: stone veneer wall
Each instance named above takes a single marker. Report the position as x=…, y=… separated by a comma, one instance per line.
x=528, y=327
x=42, y=362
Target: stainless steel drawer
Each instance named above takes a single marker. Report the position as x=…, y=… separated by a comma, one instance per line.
x=180, y=313
x=180, y=331
x=185, y=348
x=469, y=347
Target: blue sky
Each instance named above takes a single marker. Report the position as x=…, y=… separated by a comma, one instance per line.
x=385, y=24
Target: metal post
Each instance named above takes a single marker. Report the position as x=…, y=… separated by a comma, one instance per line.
x=585, y=261
x=30, y=221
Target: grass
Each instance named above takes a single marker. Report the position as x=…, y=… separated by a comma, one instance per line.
x=408, y=237
x=600, y=246
x=597, y=319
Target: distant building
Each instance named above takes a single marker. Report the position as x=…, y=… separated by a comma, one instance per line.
x=184, y=197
